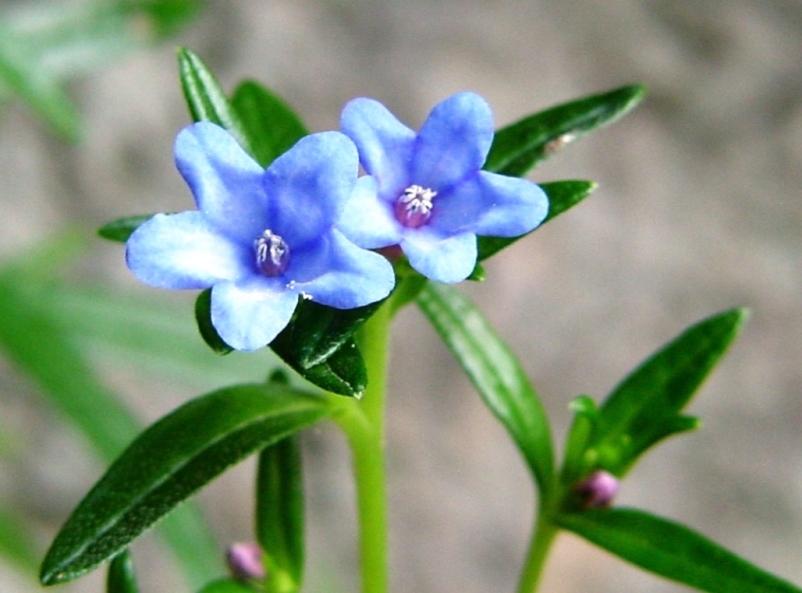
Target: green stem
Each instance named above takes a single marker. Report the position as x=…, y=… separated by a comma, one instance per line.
x=539, y=547
x=363, y=423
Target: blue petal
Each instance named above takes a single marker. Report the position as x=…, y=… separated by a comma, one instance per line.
x=250, y=314
x=225, y=180
x=491, y=204
x=384, y=143
x=309, y=185
x=443, y=259
x=366, y=220
x=184, y=251
x=339, y=274
x=453, y=142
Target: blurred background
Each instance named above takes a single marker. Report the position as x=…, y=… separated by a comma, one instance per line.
x=698, y=209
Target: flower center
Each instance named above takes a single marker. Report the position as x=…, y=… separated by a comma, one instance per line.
x=272, y=253
x=413, y=208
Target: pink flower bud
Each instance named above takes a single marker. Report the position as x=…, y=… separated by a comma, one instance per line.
x=597, y=490
x=245, y=561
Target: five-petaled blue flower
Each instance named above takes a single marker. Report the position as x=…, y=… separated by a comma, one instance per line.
x=260, y=238
x=426, y=192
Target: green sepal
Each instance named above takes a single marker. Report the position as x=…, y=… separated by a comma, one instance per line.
x=645, y=407
x=672, y=550
x=271, y=125
x=121, y=229
x=520, y=146
x=121, y=577
x=227, y=586
x=203, y=317
x=562, y=196
x=495, y=372
x=280, y=514
x=169, y=462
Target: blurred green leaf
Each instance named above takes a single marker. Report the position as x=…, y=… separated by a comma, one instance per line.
x=672, y=551
x=166, y=17
x=16, y=544
x=280, y=513
x=226, y=586
x=645, y=407
x=583, y=428
x=121, y=577
x=495, y=372
x=520, y=146
x=271, y=125
x=121, y=229
x=169, y=462
x=562, y=196
x=206, y=99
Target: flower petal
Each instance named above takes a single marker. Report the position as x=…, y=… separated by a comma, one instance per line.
x=225, y=180
x=443, y=259
x=339, y=274
x=184, y=251
x=248, y=315
x=309, y=185
x=367, y=220
x=491, y=204
x=384, y=143
x=453, y=142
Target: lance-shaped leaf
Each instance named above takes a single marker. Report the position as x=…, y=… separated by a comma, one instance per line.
x=170, y=461
x=520, y=146
x=495, y=372
x=226, y=586
x=206, y=99
x=121, y=577
x=672, y=551
x=562, y=196
x=272, y=127
x=645, y=407
x=120, y=229
x=280, y=513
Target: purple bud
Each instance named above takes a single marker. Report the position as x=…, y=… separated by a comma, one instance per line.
x=245, y=561
x=597, y=490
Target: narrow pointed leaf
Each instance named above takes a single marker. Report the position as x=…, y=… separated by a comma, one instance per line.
x=645, y=406
x=495, y=372
x=203, y=317
x=168, y=463
x=121, y=577
x=280, y=511
x=121, y=229
x=272, y=126
x=520, y=146
x=342, y=372
x=226, y=586
x=206, y=99
x=672, y=551
x=562, y=196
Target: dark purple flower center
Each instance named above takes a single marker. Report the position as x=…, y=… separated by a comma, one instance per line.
x=413, y=208
x=272, y=253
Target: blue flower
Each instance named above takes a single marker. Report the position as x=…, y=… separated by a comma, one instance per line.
x=260, y=238
x=426, y=192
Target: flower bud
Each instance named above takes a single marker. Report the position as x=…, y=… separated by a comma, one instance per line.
x=597, y=490
x=245, y=561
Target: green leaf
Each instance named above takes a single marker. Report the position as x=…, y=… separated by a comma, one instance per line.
x=495, y=372
x=203, y=317
x=121, y=577
x=582, y=429
x=16, y=544
x=645, y=407
x=271, y=125
x=33, y=337
x=167, y=17
x=280, y=513
x=206, y=99
x=121, y=229
x=226, y=586
x=520, y=146
x=672, y=551
x=169, y=462
x=562, y=196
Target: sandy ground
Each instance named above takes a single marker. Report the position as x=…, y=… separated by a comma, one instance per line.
x=698, y=210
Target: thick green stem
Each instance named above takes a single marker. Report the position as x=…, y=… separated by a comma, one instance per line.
x=363, y=423
x=539, y=547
